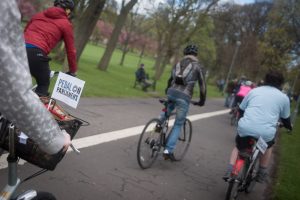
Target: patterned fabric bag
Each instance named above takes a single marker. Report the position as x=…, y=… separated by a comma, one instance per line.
x=28, y=150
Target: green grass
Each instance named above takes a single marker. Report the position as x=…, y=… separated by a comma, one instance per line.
x=288, y=182
x=118, y=80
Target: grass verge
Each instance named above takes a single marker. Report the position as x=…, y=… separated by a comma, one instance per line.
x=287, y=183
x=118, y=80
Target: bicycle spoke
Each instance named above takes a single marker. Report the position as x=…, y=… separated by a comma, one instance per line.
x=149, y=145
x=183, y=141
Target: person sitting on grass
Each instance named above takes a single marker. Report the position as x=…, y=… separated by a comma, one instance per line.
x=142, y=77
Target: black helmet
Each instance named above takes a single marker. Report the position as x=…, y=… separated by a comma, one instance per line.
x=191, y=50
x=66, y=4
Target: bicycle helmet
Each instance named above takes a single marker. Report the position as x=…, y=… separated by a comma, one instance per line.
x=66, y=4
x=191, y=50
x=248, y=83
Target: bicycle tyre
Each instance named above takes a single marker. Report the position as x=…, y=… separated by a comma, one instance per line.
x=35, y=195
x=234, y=186
x=44, y=196
x=250, y=179
x=149, y=144
x=184, y=140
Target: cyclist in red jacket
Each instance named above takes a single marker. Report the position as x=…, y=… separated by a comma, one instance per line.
x=42, y=33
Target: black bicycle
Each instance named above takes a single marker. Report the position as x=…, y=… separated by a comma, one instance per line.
x=155, y=135
x=234, y=119
x=243, y=175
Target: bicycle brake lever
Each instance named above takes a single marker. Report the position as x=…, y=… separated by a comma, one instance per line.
x=74, y=149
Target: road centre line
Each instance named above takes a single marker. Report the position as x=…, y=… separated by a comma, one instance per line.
x=128, y=132
x=116, y=135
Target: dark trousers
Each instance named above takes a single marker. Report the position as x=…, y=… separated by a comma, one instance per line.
x=39, y=69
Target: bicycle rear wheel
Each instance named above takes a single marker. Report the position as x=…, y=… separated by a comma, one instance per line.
x=250, y=180
x=184, y=140
x=235, y=185
x=149, y=144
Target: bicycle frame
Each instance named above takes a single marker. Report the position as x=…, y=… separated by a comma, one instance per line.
x=165, y=125
x=247, y=161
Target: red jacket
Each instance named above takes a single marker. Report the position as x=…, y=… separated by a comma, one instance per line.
x=47, y=28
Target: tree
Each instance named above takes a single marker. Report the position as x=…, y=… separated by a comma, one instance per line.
x=282, y=39
x=128, y=35
x=104, y=62
x=176, y=23
x=86, y=22
x=247, y=24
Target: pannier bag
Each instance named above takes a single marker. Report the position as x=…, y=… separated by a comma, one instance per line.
x=28, y=150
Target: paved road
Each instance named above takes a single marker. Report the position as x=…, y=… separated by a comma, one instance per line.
x=109, y=170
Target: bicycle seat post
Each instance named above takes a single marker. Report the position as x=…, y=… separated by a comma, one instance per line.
x=12, y=158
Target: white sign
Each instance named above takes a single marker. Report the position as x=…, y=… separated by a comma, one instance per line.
x=68, y=89
x=262, y=145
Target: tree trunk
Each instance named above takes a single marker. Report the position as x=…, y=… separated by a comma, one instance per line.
x=111, y=45
x=125, y=50
x=85, y=25
x=141, y=55
x=157, y=66
x=60, y=53
x=162, y=68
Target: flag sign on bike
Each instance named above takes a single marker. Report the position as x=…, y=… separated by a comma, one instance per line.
x=68, y=89
x=262, y=145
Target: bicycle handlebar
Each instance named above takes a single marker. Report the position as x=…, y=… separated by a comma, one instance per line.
x=281, y=125
x=53, y=73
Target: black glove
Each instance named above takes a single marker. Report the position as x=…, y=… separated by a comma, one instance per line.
x=201, y=103
x=71, y=74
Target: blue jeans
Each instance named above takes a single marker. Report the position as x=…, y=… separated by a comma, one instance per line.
x=182, y=108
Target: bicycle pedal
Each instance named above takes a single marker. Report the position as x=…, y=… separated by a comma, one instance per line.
x=169, y=157
x=226, y=179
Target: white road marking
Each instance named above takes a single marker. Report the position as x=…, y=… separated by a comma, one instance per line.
x=116, y=135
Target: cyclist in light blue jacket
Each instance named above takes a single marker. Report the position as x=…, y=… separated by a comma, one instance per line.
x=260, y=112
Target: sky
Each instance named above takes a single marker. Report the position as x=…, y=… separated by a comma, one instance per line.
x=239, y=1
x=144, y=4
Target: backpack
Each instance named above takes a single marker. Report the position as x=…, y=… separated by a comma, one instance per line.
x=182, y=74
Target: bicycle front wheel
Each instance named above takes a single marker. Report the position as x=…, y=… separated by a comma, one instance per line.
x=44, y=196
x=35, y=195
x=232, y=120
x=184, y=140
x=149, y=144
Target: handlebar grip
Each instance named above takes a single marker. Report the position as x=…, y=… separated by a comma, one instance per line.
x=53, y=73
